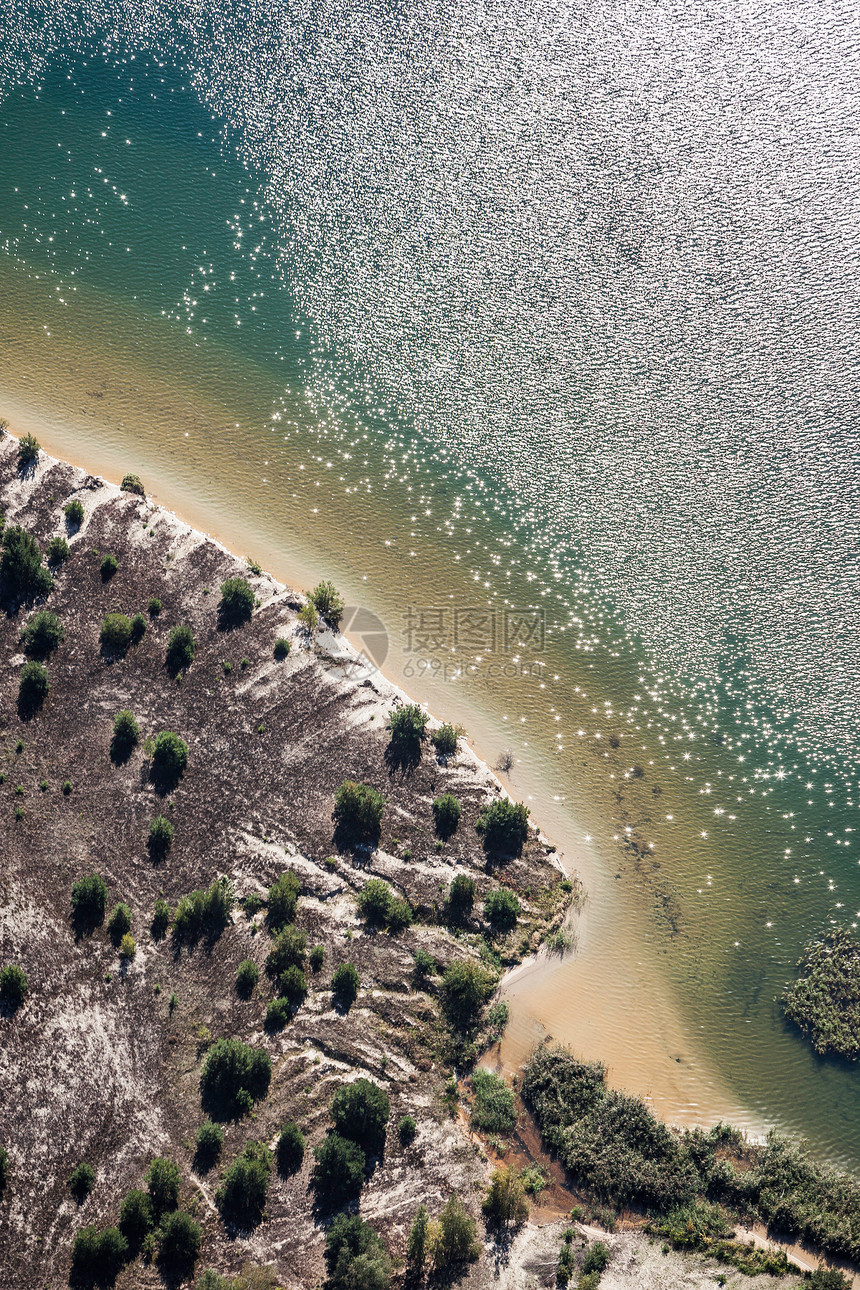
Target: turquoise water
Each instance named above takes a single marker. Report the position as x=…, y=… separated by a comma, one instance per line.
x=565, y=312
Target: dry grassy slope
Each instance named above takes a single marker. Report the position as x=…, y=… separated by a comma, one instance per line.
x=97, y=1069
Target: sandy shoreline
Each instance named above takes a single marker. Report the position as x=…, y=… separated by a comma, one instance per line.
x=569, y=998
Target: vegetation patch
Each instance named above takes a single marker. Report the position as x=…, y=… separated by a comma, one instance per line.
x=824, y=1001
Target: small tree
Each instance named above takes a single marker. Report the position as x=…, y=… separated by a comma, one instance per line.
x=290, y=1149
x=13, y=986
x=416, y=1243
x=108, y=567
x=43, y=633
x=408, y=726
x=596, y=1257
x=162, y=1180
x=406, y=1130
x=160, y=837
x=160, y=918
x=339, y=1170
x=169, y=758
x=282, y=899
x=461, y=897
x=116, y=632
x=33, y=687
x=237, y=602
x=446, y=814
x=328, y=602
x=360, y=1111
x=288, y=950
x=277, y=1014
x=21, y=570
x=208, y=1145
x=119, y=922
x=374, y=901
x=231, y=1069
x=445, y=739
x=466, y=986
x=132, y=484
x=355, y=1256
x=126, y=733
x=344, y=985
x=74, y=513
x=457, y=1236
x=136, y=1217
x=424, y=967
x=128, y=946
x=242, y=1196
x=505, y=827
x=317, y=957
x=98, y=1255
x=28, y=450
x=246, y=978
x=282, y=648
x=293, y=985
x=181, y=648
x=138, y=628
x=502, y=909
x=505, y=1203
x=58, y=550
x=308, y=617
x=89, y=897
x=358, y=813
x=180, y=1242
x=81, y=1181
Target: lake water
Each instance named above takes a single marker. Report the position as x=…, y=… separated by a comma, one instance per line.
x=539, y=332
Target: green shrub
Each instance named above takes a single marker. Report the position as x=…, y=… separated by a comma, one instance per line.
x=33, y=686
x=446, y=814
x=288, y=950
x=344, y=985
x=205, y=911
x=115, y=633
x=28, y=450
x=406, y=1130
x=290, y=1149
x=119, y=922
x=374, y=901
x=181, y=648
x=160, y=836
x=43, y=633
x=317, y=957
x=154, y=607
x=501, y=910
x=136, y=1217
x=74, y=513
x=58, y=550
x=445, y=739
x=424, y=966
x=169, y=758
x=493, y=1105
x=466, y=986
x=180, y=1242
x=98, y=1255
x=160, y=918
x=81, y=1181
x=408, y=726
x=132, y=484
x=126, y=733
x=355, y=1256
x=208, y=1145
x=21, y=570
x=293, y=985
x=162, y=1180
x=282, y=899
x=237, y=602
x=596, y=1257
x=328, y=602
x=360, y=1111
x=128, y=946
x=497, y=1020
x=505, y=1203
x=461, y=897
x=108, y=567
x=358, y=813
x=246, y=978
x=277, y=1013
x=282, y=648
x=338, y=1173
x=138, y=628
x=89, y=897
x=417, y=1242
x=230, y=1069
x=13, y=986
x=504, y=826
x=67, y=787
x=308, y=617
x=242, y=1196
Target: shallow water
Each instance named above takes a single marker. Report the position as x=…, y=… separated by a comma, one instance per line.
x=525, y=331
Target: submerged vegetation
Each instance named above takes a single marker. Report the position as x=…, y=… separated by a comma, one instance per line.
x=824, y=1001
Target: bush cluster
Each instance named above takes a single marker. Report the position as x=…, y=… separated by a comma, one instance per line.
x=408, y=726
x=203, y=912
x=328, y=602
x=13, y=986
x=234, y=1076
x=282, y=900
x=22, y=573
x=89, y=897
x=356, y=1258
x=380, y=907
x=502, y=909
x=445, y=739
x=358, y=813
x=493, y=1105
x=43, y=633
x=505, y=1203
x=132, y=484
x=504, y=826
x=446, y=814
x=237, y=602
x=242, y=1196
x=359, y=1111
